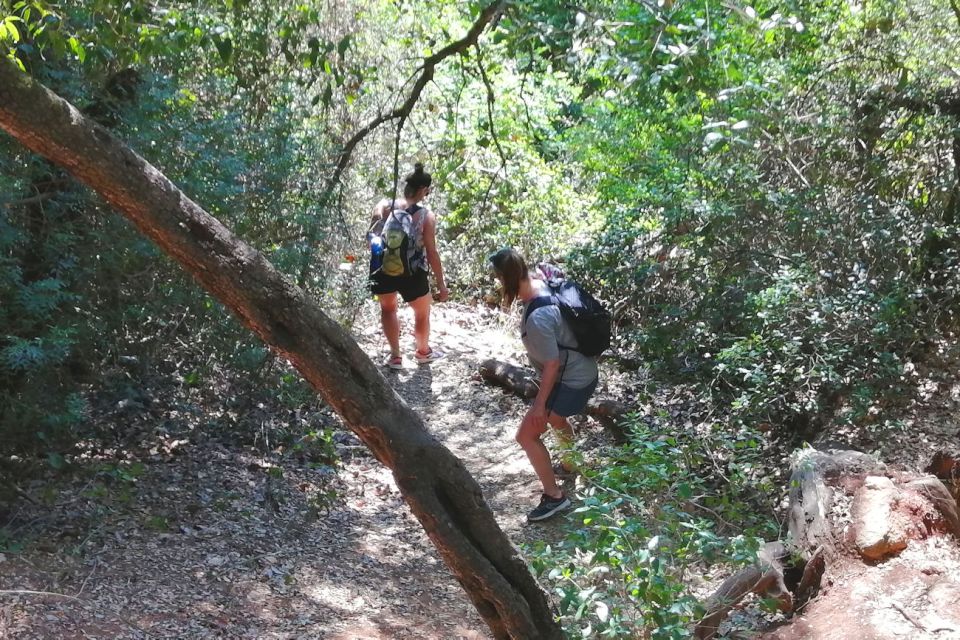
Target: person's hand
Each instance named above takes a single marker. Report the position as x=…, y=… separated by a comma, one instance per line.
x=536, y=418
x=442, y=294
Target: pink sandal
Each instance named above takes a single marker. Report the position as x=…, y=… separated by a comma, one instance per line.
x=430, y=356
x=394, y=362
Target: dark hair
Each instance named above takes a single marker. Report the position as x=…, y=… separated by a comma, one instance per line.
x=416, y=181
x=511, y=268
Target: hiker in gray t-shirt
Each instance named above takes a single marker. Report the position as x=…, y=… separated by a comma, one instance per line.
x=568, y=378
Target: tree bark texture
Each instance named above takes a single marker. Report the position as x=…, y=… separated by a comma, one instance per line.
x=435, y=484
x=811, y=496
x=792, y=571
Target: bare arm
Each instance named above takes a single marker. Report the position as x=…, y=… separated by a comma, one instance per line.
x=433, y=257
x=379, y=213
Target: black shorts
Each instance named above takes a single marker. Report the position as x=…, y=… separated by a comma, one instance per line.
x=409, y=287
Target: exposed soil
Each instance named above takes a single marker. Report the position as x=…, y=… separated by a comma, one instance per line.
x=192, y=535
x=914, y=595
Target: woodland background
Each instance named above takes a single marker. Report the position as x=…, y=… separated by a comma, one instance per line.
x=766, y=196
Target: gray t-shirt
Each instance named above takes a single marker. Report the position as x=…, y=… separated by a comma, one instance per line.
x=543, y=333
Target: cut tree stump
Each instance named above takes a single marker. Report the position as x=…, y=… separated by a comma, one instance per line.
x=817, y=537
x=814, y=474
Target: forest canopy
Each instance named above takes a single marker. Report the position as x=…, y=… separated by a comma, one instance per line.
x=766, y=196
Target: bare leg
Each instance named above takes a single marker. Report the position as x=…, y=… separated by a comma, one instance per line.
x=390, y=321
x=530, y=440
x=563, y=430
x=421, y=322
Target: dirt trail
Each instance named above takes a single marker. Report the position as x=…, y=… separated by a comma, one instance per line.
x=216, y=542
x=213, y=539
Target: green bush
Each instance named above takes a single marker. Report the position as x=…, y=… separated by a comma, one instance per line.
x=651, y=510
x=40, y=326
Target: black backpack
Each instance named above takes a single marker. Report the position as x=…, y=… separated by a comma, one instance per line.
x=587, y=318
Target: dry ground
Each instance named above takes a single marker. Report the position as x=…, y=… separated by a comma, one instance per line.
x=213, y=541
x=193, y=536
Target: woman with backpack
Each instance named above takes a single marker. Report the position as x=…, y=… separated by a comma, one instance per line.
x=406, y=250
x=567, y=377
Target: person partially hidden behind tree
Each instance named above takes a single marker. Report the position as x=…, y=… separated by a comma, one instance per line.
x=567, y=377
x=404, y=250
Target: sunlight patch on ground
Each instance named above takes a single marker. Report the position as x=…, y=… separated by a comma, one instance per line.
x=336, y=596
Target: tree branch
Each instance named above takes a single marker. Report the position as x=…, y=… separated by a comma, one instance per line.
x=401, y=113
x=426, y=74
x=944, y=102
x=16, y=204
x=491, y=98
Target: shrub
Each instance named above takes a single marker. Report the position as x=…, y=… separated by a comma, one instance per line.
x=653, y=510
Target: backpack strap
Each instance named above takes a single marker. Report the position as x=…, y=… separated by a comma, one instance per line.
x=416, y=223
x=536, y=303
x=544, y=301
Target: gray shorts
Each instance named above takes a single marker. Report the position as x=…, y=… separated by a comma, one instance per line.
x=566, y=401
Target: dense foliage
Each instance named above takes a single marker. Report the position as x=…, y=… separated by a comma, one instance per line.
x=767, y=197
x=785, y=199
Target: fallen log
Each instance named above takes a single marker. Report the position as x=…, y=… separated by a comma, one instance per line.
x=765, y=578
x=517, y=380
x=523, y=382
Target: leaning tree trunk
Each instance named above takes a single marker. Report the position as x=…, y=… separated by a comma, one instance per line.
x=434, y=483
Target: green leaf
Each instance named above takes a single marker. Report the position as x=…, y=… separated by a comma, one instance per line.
x=12, y=29
x=55, y=460
x=77, y=49
x=224, y=46
x=344, y=44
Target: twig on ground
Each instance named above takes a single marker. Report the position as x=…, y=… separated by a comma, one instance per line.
x=908, y=616
x=30, y=592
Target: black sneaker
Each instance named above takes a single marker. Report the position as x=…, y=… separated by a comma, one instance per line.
x=548, y=507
